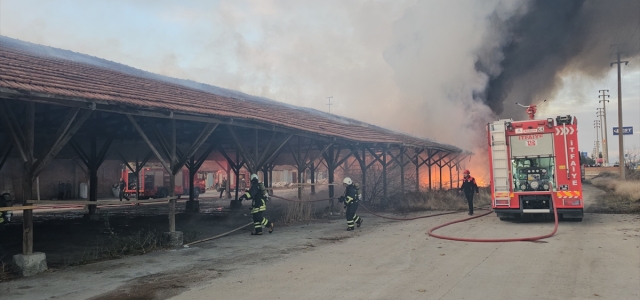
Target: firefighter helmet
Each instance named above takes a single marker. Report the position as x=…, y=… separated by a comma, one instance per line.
x=466, y=172
x=254, y=176
x=347, y=181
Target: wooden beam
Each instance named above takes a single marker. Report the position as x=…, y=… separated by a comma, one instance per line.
x=44, y=98
x=81, y=154
x=5, y=154
x=204, y=156
x=319, y=155
x=250, y=162
x=126, y=163
x=39, y=165
x=277, y=151
x=18, y=140
x=16, y=208
x=232, y=164
x=104, y=150
x=164, y=145
x=430, y=155
x=11, y=117
x=441, y=158
x=64, y=128
x=204, y=135
x=266, y=149
x=146, y=139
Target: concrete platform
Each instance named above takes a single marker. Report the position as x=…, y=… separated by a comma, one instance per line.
x=31, y=264
x=175, y=238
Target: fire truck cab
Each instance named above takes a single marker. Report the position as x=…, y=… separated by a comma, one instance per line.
x=535, y=166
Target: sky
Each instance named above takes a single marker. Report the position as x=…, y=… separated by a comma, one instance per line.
x=407, y=65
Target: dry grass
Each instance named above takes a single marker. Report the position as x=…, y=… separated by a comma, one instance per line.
x=297, y=212
x=628, y=188
x=439, y=200
x=623, y=196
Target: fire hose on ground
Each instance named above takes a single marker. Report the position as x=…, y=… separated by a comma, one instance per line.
x=430, y=232
x=524, y=239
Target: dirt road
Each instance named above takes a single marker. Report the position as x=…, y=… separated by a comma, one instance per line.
x=598, y=258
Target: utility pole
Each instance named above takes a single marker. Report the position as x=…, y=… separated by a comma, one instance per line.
x=600, y=114
x=596, y=125
x=329, y=104
x=620, y=125
x=605, y=141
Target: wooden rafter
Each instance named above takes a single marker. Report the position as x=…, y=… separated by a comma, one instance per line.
x=146, y=139
x=61, y=140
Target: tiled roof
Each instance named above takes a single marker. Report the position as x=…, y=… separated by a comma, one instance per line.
x=33, y=68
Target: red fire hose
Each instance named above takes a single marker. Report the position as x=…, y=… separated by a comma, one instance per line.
x=524, y=239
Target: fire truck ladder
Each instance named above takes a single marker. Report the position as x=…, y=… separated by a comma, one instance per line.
x=500, y=162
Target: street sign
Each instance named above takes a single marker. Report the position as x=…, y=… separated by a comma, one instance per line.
x=625, y=130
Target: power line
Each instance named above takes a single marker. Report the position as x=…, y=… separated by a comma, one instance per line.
x=603, y=113
x=620, y=124
x=329, y=104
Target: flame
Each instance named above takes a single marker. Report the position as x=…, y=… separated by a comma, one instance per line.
x=477, y=165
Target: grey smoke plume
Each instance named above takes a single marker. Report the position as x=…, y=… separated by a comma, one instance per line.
x=526, y=53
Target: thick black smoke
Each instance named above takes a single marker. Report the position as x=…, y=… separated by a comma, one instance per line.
x=526, y=53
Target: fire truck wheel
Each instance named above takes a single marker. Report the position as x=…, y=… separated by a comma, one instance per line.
x=196, y=193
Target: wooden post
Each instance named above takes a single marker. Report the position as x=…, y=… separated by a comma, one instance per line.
x=265, y=176
x=271, y=167
x=384, y=176
x=402, y=170
x=312, y=170
x=172, y=179
x=363, y=168
x=440, y=166
x=417, y=161
x=450, y=177
x=237, y=173
x=430, y=187
x=27, y=188
x=93, y=174
x=192, y=173
x=138, y=181
x=458, y=172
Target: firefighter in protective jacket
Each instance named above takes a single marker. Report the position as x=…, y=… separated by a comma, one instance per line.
x=469, y=186
x=258, y=196
x=350, y=198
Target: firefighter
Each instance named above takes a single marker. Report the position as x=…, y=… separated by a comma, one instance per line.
x=223, y=186
x=350, y=198
x=258, y=195
x=469, y=186
x=121, y=187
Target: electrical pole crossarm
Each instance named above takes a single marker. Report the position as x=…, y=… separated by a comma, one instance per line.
x=626, y=62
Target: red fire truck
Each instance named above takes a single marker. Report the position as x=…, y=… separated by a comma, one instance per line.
x=155, y=182
x=535, y=167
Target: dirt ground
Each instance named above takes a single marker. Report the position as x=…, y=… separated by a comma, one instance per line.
x=594, y=259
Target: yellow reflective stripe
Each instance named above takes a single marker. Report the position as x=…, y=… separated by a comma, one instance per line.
x=247, y=195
